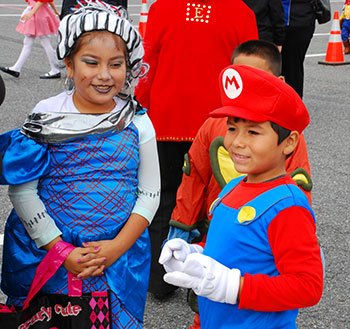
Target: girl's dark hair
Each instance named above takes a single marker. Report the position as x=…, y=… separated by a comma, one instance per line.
x=117, y=39
x=264, y=49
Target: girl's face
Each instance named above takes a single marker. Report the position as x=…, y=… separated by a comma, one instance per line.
x=98, y=69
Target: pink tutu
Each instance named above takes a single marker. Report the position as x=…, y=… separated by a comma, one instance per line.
x=44, y=22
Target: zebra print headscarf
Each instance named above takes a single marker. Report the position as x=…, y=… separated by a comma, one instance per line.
x=95, y=15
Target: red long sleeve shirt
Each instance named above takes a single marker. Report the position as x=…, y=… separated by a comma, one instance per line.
x=187, y=44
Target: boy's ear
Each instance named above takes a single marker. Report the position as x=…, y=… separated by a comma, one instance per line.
x=69, y=67
x=291, y=142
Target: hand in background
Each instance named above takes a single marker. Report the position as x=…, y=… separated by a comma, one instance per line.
x=26, y=17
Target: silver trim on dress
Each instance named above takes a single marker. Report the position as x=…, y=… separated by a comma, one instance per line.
x=60, y=127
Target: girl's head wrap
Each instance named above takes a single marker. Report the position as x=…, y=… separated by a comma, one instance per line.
x=95, y=15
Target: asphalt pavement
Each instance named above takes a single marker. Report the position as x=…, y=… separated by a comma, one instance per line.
x=325, y=95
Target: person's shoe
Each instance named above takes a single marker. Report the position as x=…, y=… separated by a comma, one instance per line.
x=162, y=296
x=10, y=72
x=50, y=76
x=346, y=47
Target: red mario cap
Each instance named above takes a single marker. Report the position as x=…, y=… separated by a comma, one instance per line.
x=255, y=95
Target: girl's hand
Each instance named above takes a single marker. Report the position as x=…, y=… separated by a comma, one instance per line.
x=26, y=17
x=85, y=262
x=107, y=249
x=113, y=249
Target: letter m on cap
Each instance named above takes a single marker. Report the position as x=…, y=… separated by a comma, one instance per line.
x=231, y=83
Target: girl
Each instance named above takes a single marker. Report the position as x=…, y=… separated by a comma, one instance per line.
x=37, y=20
x=86, y=152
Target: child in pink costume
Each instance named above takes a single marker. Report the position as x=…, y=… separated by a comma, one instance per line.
x=37, y=20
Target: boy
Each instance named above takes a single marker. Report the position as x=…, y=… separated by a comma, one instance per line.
x=181, y=39
x=199, y=187
x=344, y=21
x=261, y=260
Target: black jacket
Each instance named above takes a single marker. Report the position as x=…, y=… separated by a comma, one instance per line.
x=299, y=13
x=269, y=18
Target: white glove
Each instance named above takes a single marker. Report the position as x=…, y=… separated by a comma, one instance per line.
x=208, y=278
x=175, y=252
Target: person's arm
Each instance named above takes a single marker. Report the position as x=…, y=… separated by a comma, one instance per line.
x=300, y=160
x=30, y=209
x=248, y=29
x=148, y=197
x=192, y=194
x=52, y=4
x=151, y=44
x=276, y=14
x=111, y=250
x=298, y=260
x=29, y=15
x=42, y=229
x=297, y=256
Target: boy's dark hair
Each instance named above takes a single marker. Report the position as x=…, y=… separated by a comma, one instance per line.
x=264, y=49
x=281, y=132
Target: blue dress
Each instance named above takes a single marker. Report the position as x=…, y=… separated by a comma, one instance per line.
x=89, y=187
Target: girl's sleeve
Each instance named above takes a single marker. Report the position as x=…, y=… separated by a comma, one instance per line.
x=23, y=159
x=148, y=174
x=24, y=162
x=30, y=209
x=293, y=241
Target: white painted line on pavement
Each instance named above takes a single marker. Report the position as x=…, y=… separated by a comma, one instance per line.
x=1, y=239
x=315, y=55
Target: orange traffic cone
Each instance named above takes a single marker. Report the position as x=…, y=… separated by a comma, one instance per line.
x=334, y=55
x=143, y=19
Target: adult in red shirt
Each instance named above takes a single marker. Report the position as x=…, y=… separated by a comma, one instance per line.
x=186, y=44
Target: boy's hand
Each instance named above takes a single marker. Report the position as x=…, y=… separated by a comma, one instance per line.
x=175, y=252
x=208, y=278
x=85, y=262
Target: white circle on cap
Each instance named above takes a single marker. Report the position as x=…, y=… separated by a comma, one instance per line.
x=232, y=83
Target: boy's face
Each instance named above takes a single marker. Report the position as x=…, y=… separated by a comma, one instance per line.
x=253, y=61
x=253, y=149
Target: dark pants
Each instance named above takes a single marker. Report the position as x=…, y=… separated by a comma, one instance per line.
x=67, y=5
x=171, y=159
x=293, y=54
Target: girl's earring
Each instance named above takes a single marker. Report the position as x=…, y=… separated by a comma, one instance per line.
x=69, y=84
